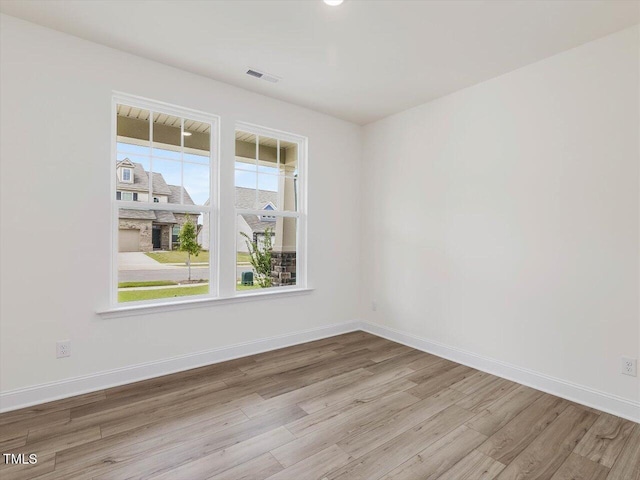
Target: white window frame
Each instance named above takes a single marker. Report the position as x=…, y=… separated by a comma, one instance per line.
x=300, y=214
x=212, y=209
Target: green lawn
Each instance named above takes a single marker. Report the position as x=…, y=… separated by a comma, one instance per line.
x=243, y=257
x=137, y=295
x=177, y=256
x=247, y=287
x=152, y=283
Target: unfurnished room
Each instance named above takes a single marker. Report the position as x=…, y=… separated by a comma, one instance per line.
x=319, y=239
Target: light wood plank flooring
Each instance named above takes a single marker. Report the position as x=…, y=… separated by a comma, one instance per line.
x=349, y=407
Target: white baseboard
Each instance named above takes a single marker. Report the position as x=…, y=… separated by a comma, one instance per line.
x=590, y=397
x=25, y=397
x=38, y=394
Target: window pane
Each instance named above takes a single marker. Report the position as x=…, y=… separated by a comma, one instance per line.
x=167, y=180
x=196, y=184
x=253, y=199
x=166, y=132
x=197, y=141
x=162, y=152
x=132, y=187
x=288, y=158
x=275, y=190
x=266, y=251
x=267, y=177
x=246, y=179
x=246, y=153
x=133, y=125
x=142, y=160
x=132, y=147
x=150, y=262
x=268, y=192
x=288, y=193
x=246, y=147
x=268, y=152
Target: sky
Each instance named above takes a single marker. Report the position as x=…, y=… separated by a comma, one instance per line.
x=196, y=170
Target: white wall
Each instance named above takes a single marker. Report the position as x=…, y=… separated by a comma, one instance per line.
x=55, y=218
x=503, y=220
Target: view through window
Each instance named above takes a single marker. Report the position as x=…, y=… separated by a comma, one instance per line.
x=268, y=210
x=163, y=171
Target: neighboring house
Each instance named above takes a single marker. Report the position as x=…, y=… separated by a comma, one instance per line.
x=147, y=230
x=253, y=225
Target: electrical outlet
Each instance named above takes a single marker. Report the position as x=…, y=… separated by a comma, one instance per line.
x=629, y=366
x=63, y=349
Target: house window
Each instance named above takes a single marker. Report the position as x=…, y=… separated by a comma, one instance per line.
x=174, y=234
x=269, y=177
x=126, y=175
x=172, y=152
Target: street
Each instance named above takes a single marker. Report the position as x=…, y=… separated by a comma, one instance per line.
x=171, y=273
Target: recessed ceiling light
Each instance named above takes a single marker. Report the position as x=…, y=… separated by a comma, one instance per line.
x=333, y=3
x=186, y=134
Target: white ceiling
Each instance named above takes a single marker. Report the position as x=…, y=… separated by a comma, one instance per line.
x=360, y=61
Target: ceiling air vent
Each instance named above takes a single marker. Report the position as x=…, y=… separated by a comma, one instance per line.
x=253, y=73
x=263, y=75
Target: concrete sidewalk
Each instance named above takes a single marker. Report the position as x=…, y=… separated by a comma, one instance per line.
x=139, y=261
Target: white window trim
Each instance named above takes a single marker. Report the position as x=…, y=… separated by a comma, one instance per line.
x=115, y=309
x=212, y=209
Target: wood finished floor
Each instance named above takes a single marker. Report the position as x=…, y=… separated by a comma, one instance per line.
x=349, y=407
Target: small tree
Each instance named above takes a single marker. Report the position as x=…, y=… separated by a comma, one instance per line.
x=260, y=257
x=188, y=238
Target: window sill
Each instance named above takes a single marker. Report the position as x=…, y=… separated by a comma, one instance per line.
x=128, y=311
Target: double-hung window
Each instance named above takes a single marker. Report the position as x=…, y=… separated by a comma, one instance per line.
x=163, y=171
x=270, y=208
x=165, y=210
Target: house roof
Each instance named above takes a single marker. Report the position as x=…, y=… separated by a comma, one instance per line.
x=174, y=196
x=141, y=184
x=162, y=216
x=247, y=198
x=141, y=180
x=136, y=214
x=256, y=225
x=159, y=216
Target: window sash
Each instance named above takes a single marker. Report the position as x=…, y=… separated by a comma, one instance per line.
x=212, y=209
x=300, y=214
